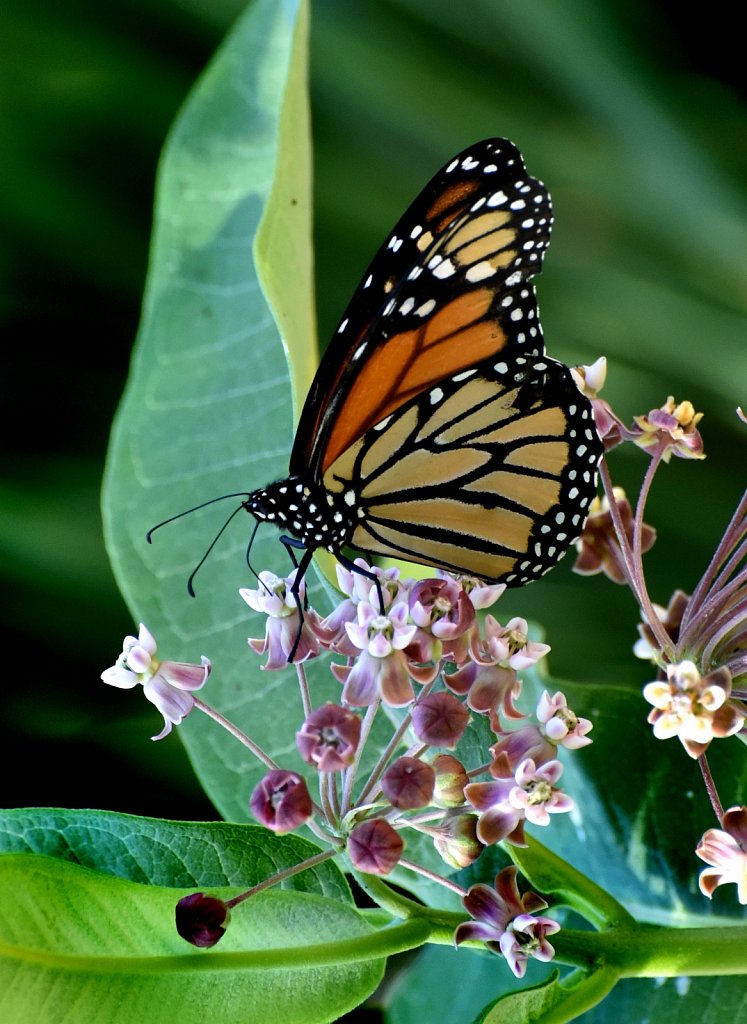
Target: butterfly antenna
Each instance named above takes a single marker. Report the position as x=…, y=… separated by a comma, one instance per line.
x=189, y=511
x=213, y=542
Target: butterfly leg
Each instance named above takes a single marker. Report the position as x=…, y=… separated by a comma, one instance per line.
x=291, y=543
x=348, y=564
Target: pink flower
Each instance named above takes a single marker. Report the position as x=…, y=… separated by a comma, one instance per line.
x=560, y=725
x=167, y=684
x=507, y=802
x=647, y=646
x=358, y=587
x=285, y=632
x=499, y=819
x=504, y=920
x=381, y=669
x=535, y=793
x=441, y=608
x=509, y=646
x=526, y=938
x=672, y=428
x=490, y=689
x=598, y=546
x=590, y=381
x=726, y=851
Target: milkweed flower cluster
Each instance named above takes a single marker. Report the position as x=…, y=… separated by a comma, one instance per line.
x=419, y=653
x=698, y=642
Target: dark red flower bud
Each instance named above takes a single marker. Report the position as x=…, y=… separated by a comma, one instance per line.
x=201, y=919
x=439, y=719
x=281, y=801
x=328, y=739
x=375, y=847
x=408, y=783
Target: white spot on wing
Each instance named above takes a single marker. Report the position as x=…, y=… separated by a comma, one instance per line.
x=480, y=271
x=444, y=269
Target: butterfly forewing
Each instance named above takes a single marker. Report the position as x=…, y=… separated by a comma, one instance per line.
x=435, y=300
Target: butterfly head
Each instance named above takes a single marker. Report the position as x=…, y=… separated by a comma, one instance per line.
x=305, y=510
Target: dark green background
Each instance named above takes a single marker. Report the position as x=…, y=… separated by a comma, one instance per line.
x=632, y=114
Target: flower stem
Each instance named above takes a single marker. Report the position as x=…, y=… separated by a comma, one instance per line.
x=350, y=773
x=710, y=786
x=304, y=687
x=310, y=862
x=236, y=733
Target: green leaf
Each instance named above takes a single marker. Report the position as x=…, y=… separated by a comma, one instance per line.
x=673, y=1001
x=168, y=853
x=552, y=1001
x=108, y=947
x=207, y=409
x=444, y=985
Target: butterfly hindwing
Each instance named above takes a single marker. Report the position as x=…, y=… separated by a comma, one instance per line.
x=447, y=290
x=490, y=474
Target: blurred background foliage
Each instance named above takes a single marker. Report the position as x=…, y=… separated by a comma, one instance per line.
x=629, y=110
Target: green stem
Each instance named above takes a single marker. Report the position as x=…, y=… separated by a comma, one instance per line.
x=646, y=951
x=552, y=875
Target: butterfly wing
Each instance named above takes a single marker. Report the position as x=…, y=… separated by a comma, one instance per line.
x=447, y=290
x=491, y=473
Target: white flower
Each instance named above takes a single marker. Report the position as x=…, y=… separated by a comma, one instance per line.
x=165, y=683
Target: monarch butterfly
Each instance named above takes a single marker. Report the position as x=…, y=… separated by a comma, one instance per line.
x=436, y=430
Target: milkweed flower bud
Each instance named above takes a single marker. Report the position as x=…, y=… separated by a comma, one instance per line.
x=408, y=783
x=201, y=920
x=451, y=778
x=375, y=847
x=281, y=801
x=456, y=839
x=439, y=719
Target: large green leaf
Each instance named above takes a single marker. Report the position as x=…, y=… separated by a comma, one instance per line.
x=207, y=409
x=91, y=947
x=167, y=853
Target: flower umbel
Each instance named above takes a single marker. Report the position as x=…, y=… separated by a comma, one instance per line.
x=167, y=684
